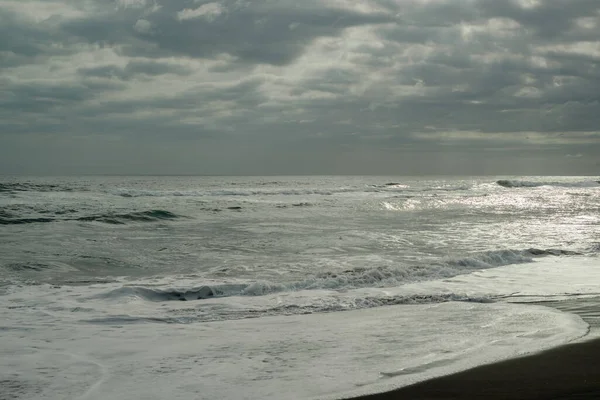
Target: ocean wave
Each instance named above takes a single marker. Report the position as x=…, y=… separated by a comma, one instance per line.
x=595, y=248
x=160, y=295
x=140, y=216
x=230, y=193
x=32, y=266
x=16, y=214
x=19, y=221
x=390, y=187
x=107, y=218
x=551, y=252
x=331, y=304
x=34, y=187
x=400, y=187
x=344, y=304
x=525, y=184
x=383, y=276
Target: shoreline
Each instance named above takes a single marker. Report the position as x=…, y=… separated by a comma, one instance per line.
x=571, y=371
x=568, y=372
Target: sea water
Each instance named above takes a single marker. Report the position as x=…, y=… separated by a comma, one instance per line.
x=284, y=287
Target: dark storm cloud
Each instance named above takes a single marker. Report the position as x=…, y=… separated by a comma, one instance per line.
x=306, y=80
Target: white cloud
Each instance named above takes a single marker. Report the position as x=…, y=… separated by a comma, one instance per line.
x=208, y=12
x=131, y=3
x=533, y=137
x=143, y=26
x=42, y=10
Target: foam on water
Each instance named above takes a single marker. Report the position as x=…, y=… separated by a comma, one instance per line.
x=341, y=354
x=341, y=280
x=150, y=298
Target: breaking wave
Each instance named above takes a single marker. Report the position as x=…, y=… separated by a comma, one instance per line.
x=595, y=247
x=343, y=280
x=525, y=184
x=195, y=315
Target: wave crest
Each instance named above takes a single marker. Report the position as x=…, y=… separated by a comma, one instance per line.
x=348, y=279
x=528, y=184
x=187, y=316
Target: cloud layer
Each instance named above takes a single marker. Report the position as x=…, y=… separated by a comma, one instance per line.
x=268, y=87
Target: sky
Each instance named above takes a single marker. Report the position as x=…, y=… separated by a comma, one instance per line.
x=275, y=87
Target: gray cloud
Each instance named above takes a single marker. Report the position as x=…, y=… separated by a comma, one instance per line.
x=507, y=86
x=44, y=97
x=257, y=32
x=135, y=69
x=24, y=42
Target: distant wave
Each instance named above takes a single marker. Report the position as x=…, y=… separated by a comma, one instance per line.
x=34, y=187
x=392, y=187
x=348, y=279
x=230, y=193
x=108, y=218
x=32, y=266
x=400, y=187
x=19, y=221
x=141, y=216
x=17, y=214
x=524, y=184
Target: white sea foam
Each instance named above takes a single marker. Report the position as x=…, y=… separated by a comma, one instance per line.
x=94, y=349
x=380, y=276
x=341, y=354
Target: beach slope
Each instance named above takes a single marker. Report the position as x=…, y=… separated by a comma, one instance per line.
x=568, y=372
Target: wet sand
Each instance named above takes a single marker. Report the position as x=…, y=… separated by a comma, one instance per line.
x=568, y=372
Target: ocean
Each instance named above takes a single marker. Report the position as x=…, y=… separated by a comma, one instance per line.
x=284, y=287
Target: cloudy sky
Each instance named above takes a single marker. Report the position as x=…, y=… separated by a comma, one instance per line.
x=397, y=87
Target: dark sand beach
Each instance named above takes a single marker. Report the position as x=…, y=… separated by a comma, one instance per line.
x=563, y=373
